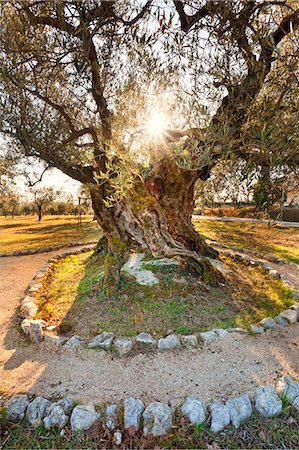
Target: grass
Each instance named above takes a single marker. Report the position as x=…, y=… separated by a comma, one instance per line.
x=71, y=294
x=277, y=240
x=25, y=233
x=256, y=433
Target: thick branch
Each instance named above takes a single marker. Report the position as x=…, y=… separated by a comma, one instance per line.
x=188, y=21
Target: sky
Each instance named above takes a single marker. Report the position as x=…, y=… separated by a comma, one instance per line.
x=54, y=178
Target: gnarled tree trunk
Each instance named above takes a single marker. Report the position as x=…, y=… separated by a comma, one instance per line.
x=156, y=217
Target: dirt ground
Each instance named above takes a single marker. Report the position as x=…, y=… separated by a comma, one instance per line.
x=237, y=364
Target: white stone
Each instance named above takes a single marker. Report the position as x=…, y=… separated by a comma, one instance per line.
x=267, y=402
x=51, y=328
x=55, y=417
x=74, y=342
x=132, y=413
x=117, y=438
x=286, y=280
x=169, y=342
x=111, y=416
x=220, y=416
x=273, y=273
x=83, y=416
x=255, y=329
x=237, y=330
x=25, y=325
x=157, y=419
x=295, y=307
x=194, y=409
x=295, y=295
x=36, y=411
x=102, y=341
x=66, y=404
x=146, y=339
x=289, y=388
x=134, y=266
x=268, y=323
x=28, y=309
x=281, y=321
x=123, y=345
x=16, y=408
x=55, y=339
x=190, y=340
x=221, y=332
x=240, y=409
x=290, y=315
x=209, y=336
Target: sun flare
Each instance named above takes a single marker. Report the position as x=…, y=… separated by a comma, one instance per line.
x=156, y=124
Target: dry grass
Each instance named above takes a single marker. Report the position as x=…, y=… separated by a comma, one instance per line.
x=25, y=233
x=279, y=241
x=71, y=295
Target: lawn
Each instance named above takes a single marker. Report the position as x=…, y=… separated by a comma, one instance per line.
x=71, y=296
x=276, y=240
x=25, y=233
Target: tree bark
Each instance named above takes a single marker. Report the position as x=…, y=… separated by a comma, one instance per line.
x=39, y=213
x=155, y=218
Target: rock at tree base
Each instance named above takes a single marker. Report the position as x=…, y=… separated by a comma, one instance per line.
x=16, y=408
x=132, y=413
x=240, y=409
x=102, y=341
x=146, y=340
x=123, y=345
x=194, y=409
x=169, y=342
x=83, y=416
x=290, y=389
x=157, y=419
x=220, y=416
x=36, y=411
x=267, y=402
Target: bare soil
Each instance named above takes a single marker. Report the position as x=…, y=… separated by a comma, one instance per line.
x=233, y=366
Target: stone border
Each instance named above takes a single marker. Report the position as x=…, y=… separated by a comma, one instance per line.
x=267, y=257
x=38, y=330
x=156, y=418
x=46, y=249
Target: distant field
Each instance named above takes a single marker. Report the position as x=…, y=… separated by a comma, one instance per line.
x=278, y=241
x=25, y=233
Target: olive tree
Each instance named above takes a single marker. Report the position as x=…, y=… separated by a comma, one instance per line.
x=75, y=84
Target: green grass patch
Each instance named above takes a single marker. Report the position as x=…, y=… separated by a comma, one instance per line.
x=72, y=294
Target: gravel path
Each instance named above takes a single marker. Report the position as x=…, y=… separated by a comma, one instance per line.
x=232, y=366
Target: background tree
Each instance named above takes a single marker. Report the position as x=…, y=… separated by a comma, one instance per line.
x=42, y=198
x=68, y=69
